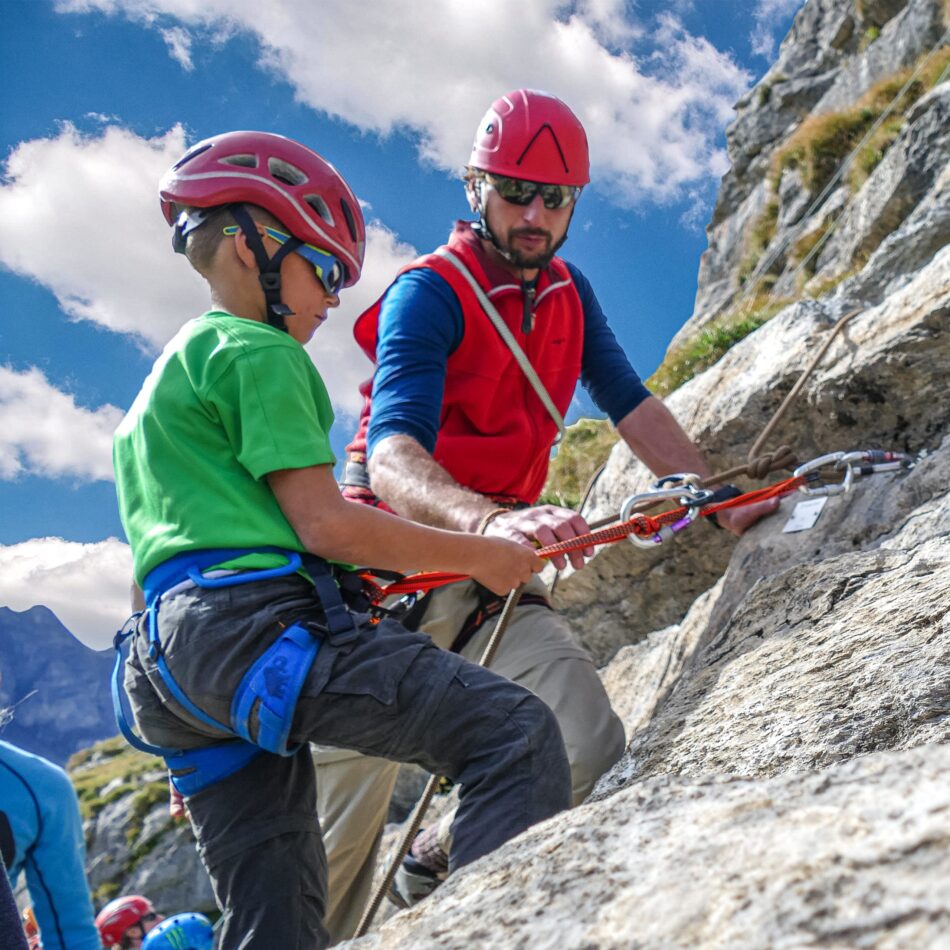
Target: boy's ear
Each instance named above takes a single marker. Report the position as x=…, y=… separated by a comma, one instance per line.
x=244, y=253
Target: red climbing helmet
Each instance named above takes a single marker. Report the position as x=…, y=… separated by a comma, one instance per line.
x=301, y=189
x=117, y=916
x=535, y=136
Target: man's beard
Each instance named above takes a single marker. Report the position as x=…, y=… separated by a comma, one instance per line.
x=535, y=261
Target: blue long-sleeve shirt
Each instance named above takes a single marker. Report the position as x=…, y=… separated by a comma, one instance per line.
x=421, y=325
x=42, y=836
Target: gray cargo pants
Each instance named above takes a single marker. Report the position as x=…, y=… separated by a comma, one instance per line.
x=389, y=693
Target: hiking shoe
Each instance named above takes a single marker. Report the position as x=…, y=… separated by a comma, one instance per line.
x=413, y=882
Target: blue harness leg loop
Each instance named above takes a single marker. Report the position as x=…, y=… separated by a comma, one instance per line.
x=117, y=691
x=273, y=685
x=193, y=770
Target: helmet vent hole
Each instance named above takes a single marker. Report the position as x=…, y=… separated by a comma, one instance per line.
x=320, y=206
x=193, y=153
x=350, y=220
x=244, y=161
x=285, y=172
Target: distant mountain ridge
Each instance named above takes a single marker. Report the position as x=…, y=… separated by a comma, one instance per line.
x=71, y=707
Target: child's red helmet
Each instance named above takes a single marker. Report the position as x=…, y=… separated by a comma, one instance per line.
x=535, y=136
x=301, y=189
x=117, y=916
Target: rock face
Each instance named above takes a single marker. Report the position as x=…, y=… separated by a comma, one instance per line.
x=837, y=61
x=786, y=779
x=851, y=856
x=881, y=385
x=786, y=696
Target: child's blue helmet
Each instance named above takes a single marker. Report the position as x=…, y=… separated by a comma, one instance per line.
x=181, y=932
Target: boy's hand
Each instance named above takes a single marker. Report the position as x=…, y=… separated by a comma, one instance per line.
x=544, y=524
x=502, y=565
x=176, y=803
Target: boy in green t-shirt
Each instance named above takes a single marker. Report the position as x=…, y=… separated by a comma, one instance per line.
x=226, y=491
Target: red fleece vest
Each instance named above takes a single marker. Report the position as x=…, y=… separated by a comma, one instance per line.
x=495, y=435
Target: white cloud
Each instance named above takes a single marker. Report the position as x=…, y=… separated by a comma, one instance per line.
x=768, y=17
x=178, y=42
x=85, y=585
x=43, y=431
x=433, y=69
x=79, y=215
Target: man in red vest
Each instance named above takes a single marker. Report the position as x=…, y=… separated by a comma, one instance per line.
x=456, y=432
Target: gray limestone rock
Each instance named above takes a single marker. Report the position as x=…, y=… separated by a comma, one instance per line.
x=917, y=29
x=827, y=63
x=923, y=233
x=787, y=782
x=854, y=855
x=882, y=385
x=897, y=186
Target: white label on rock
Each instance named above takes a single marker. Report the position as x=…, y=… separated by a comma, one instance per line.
x=805, y=515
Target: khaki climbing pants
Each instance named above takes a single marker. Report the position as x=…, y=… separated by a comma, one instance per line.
x=537, y=652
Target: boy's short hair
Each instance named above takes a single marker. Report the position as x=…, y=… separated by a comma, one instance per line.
x=202, y=244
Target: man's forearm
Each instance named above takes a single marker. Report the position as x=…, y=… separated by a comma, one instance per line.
x=405, y=476
x=658, y=440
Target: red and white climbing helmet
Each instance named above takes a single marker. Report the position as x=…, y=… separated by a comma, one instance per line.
x=117, y=916
x=301, y=189
x=534, y=136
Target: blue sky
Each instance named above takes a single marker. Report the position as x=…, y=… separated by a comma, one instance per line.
x=100, y=96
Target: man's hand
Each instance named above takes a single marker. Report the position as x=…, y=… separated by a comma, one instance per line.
x=545, y=524
x=738, y=520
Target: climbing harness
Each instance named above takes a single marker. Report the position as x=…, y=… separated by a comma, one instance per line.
x=270, y=687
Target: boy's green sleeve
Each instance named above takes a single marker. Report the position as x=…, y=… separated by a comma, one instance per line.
x=275, y=410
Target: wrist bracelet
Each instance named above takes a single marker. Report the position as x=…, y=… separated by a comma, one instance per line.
x=489, y=518
x=722, y=493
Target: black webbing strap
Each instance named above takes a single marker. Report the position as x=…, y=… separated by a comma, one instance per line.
x=489, y=606
x=269, y=267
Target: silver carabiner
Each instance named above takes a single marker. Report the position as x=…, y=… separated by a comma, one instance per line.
x=667, y=531
x=838, y=459
x=691, y=495
x=872, y=461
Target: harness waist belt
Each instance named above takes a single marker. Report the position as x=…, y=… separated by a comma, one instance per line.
x=272, y=685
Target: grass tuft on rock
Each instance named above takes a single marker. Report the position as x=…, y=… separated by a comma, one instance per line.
x=111, y=764
x=759, y=237
x=584, y=448
x=822, y=142
x=709, y=345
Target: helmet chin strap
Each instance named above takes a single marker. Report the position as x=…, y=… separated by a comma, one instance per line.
x=269, y=267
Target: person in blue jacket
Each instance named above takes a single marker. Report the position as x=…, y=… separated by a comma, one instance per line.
x=41, y=835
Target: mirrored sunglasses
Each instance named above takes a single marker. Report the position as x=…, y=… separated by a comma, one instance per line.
x=330, y=271
x=521, y=192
